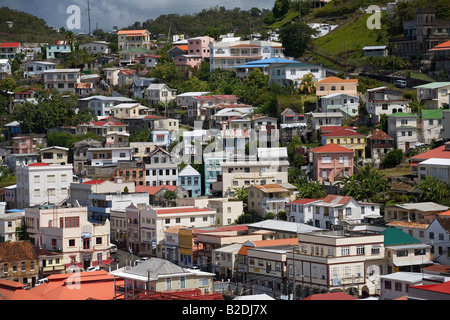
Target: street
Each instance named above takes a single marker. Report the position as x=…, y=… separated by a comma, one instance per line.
x=123, y=257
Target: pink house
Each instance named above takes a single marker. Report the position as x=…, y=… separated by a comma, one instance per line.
x=200, y=46
x=331, y=162
x=26, y=144
x=188, y=60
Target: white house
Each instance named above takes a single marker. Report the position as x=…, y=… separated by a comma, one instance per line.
x=95, y=47
x=294, y=73
x=333, y=210
x=395, y=285
x=108, y=156
x=9, y=223
x=159, y=169
x=402, y=127
x=63, y=80
x=320, y=119
x=433, y=95
x=438, y=233
x=41, y=183
x=160, y=92
x=5, y=68
x=102, y=106
x=383, y=100
x=346, y=103
x=37, y=68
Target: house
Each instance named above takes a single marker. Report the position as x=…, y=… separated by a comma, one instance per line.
x=111, y=75
x=414, y=229
x=279, y=229
x=435, y=167
x=19, y=262
x=159, y=169
x=58, y=50
x=128, y=39
x=347, y=138
x=9, y=224
x=161, y=138
x=292, y=124
x=160, y=93
x=171, y=243
x=331, y=162
x=191, y=180
x=402, y=127
x=440, y=291
x=80, y=153
x=27, y=144
x=323, y=119
x=41, y=183
x=212, y=163
x=101, y=128
x=63, y=80
x=429, y=125
x=419, y=212
x=433, y=95
x=67, y=229
x=188, y=60
x=126, y=76
x=154, y=220
x=5, y=68
x=379, y=144
x=156, y=194
x=333, y=210
x=37, y=68
x=440, y=57
x=84, y=89
x=397, y=284
x=95, y=285
x=404, y=252
x=439, y=238
x=149, y=60
x=9, y=50
x=264, y=65
x=441, y=152
x=337, y=261
x=383, y=100
x=375, y=51
x=129, y=110
x=108, y=156
x=200, y=46
x=133, y=56
x=340, y=102
x=96, y=47
x=54, y=155
x=102, y=106
x=266, y=198
x=162, y=276
x=228, y=54
x=332, y=85
x=177, y=50
x=139, y=86
x=293, y=73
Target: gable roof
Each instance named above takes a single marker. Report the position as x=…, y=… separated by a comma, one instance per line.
x=154, y=189
x=188, y=171
x=266, y=243
x=378, y=134
x=337, y=80
x=343, y=132
x=438, y=152
x=17, y=251
x=331, y=148
x=394, y=236
x=441, y=46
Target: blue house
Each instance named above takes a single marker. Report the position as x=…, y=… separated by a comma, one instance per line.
x=190, y=180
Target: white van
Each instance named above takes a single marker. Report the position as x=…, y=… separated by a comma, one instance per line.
x=113, y=248
x=400, y=83
x=41, y=281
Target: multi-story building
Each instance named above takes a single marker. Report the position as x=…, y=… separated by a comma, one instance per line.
x=63, y=80
x=95, y=47
x=325, y=119
x=58, y=50
x=54, y=155
x=419, y=212
x=438, y=237
x=19, y=262
x=429, y=125
x=9, y=50
x=159, y=169
x=266, y=198
x=379, y=144
x=440, y=57
x=191, y=180
x=129, y=39
x=396, y=285
x=340, y=260
x=37, y=68
x=331, y=162
x=5, y=68
x=347, y=138
x=293, y=73
x=383, y=100
x=402, y=127
x=160, y=93
x=101, y=128
x=102, y=106
x=67, y=230
x=200, y=46
x=434, y=95
x=340, y=102
x=108, y=156
x=229, y=54
x=41, y=183
x=9, y=224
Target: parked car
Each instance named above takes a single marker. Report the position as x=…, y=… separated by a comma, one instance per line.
x=41, y=281
x=400, y=83
x=113, y=248
x=143, y=259
x=93, y=268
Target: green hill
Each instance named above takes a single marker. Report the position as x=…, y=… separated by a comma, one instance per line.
x=26, y=27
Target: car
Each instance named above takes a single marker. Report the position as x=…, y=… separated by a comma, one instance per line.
x=194, y=267
x=113, y=248
x=140, y=260
x=41, y=281
x=400, y=83
x=93, y=268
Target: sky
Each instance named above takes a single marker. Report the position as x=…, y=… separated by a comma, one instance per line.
x=109, y=13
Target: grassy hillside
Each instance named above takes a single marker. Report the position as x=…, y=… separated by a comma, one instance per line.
x=26, y=28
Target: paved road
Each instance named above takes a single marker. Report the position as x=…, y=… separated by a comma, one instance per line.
x=123, y=257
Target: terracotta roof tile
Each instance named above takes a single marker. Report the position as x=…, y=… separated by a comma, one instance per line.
x=337, y=80
x=332, y=147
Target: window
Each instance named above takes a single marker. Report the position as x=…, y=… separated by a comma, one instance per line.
x=387, y=285
x=168, y=283
x=402, y=253
x=360, y=250
x=398, y=286
x=345, y=251
x=326, y=158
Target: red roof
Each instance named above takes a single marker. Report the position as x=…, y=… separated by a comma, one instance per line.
x=103, y=123
x=305, y=201
x=343, y=131
x=94, y=182
x=337, y=80
x=442, y=46
x=331, y=147
x=9, y=44
x=268, y=243
x=331, y=296
x=13, y=290
x=184, y=48
x=154, y=189
x=331, y=198
x=438, y=152
x=39, y=164
x=441, y=287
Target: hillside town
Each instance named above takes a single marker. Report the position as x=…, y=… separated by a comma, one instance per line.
x=116, y=182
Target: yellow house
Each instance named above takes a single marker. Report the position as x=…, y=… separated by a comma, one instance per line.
x=346, y=137
x=54, y=155
x=129, y=110
x=332, y=85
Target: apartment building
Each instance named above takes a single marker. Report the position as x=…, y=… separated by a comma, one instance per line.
x=41, y=183
x=67, y=230
x=200, y=46
x=430, y=125
x=108, y=156
x=63, y=80
x=129, y=39
x=383, y=100
x=340, y=260
x=159, y=169
x=9, y=50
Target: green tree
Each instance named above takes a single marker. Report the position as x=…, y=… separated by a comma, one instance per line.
x=241, y=194
x=280, y=8
x=431, y=189
x=311, y=190
x=141, y=135
x=392, y=159
x=296, y=37
x=307, y=84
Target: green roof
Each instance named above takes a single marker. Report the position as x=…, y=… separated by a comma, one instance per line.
x=394, y=236
x=432, y=114
x=402, y=114
x=433, y=85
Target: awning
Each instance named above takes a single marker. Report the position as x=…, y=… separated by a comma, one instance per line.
x=412, y=263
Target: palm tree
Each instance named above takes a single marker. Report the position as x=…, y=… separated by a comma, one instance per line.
x=307, y=84
x=70, y=38
x=433, y=190
x=241, y=194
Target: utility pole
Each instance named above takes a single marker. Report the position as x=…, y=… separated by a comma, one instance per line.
x=89, y=17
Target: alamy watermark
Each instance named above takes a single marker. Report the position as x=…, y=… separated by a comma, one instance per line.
x=374, y=21
x=74, y=20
